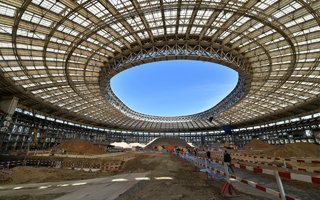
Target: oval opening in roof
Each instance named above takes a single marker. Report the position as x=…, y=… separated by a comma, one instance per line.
x=174, y=88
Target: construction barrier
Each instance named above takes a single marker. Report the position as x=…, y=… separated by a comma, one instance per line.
x=14, y=163
x=275, y=165
x=269, y=158
x=85, y=166
x=283, y=174
x=218, y=168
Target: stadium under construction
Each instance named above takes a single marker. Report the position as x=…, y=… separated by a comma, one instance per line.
x=57, y=58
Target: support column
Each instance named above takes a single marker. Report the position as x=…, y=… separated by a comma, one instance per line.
x=8, y=106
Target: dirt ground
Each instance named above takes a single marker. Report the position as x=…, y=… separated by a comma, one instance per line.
x=187, y=182
x=21, y=174
x=28, y=174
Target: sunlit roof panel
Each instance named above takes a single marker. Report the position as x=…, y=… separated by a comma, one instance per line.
x=64, y=52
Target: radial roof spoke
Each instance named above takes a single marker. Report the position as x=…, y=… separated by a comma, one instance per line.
x=63, y=54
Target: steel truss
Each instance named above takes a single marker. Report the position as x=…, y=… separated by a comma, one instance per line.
x=175, y=51
x=57, y=57
x=21, y=135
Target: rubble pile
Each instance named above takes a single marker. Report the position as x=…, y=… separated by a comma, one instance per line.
x=78, y=146
x=258, y=145
x=167, y=143
x=296, y=150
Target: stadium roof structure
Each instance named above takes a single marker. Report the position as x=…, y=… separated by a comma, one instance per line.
x=58, y=56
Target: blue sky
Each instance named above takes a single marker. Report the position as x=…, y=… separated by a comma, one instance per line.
x=174, y=88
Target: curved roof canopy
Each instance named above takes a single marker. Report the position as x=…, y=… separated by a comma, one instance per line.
x=58, y=56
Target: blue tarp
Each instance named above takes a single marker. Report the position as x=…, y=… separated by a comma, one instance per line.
x=215, y=165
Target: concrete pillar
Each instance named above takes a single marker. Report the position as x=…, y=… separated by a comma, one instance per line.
x=8, y=106
x=15, y=142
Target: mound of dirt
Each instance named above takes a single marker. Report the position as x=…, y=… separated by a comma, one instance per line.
x=296, y=150
x=258, y=145
x=167, y=142
x=78, y=146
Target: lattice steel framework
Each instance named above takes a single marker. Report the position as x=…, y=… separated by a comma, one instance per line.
x=58, y=56
x=176, y=51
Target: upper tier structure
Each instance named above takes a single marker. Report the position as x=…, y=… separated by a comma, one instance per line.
x=58, y=56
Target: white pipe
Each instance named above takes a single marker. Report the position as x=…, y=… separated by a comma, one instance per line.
x=280, y=186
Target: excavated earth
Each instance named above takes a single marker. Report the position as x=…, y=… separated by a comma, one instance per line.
x=186, y=181
x=78, y=146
